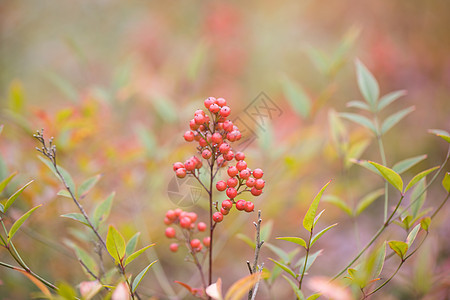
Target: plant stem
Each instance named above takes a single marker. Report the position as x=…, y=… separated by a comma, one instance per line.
x=306, y=259
x=211, y=222
x=387, y=281
x=258, y=245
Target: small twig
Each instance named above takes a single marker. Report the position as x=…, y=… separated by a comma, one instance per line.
x=253, y=269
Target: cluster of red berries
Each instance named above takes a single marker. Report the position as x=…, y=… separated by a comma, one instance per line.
x=186, y=221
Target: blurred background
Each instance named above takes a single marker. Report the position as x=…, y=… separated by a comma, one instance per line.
x=116, y=83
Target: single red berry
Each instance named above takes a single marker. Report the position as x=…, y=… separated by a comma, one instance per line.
x=221, y=102
x=259, y=184
x=227, y=204
x=239, y=156
x=232, y=182
x=224, y=211
x=177, y=165
x=225, y=111
x=214, y=108
x=192, y=216
x=173, y=247
x=178, y=211
x=181, y=173
x=202, y=142
x=199, y=119
x=190, y=165
x=231, y=193
x=201, y=226
x=199, y=248
x=167, y=221
x=249, y=206
x=216, y=138
x=232, y=171
x=250, y=182
x=231, y=136
x=206, y=154
x=170, y=214
x=209, y=101
x=193, y=125
x=170, y=232
x=185, y=222
x=241, y=165
x=217, y=217
x=244, y=174
x=207, y=241
x=221, y=186
x=227, y=126
x=238, y=135
x=258, y=173
x=224, y=148
x=195, y=243
x=255, y=191
x=221, y=161
x=240, y=204
x=199, y=111
x=197, y=136
x=229, y=155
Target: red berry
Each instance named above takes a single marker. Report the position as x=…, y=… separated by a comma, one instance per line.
x=181, y=173
x=232, y=182
x=221, y=161
x=177, y=165
x=201, y=226
x=167, y=221
x=185, y=222
x=170, y=232
x=259, y=184
x=195, y=243
x=206, y=154
x=199, y=119
x=258, y=173
x=216, y=138
x=239, y=156
x=255, y=191
x=197, y=136
x=217, y=217
x=225, y=111
x=224, y=148
x=240, y=205
x=231, y=193
x=173, y=247
x=249, y=206
x=178, y=211
x=199, y=248
x=227, y=204
x=193, y=125
x=190, y=165
x=202, y=142
x=229, y=155
x=199, y=112
x=227, y=126
x=207, y=241
x=231, y=137
x=209, y=101
x=224, y=211
x=244, y=174
x=232, y=171
x=221, y=186
x=241, y=165
x=170, y=214
x=192, y=216
x=214, y=108
x=221, y=102
x=250, y=182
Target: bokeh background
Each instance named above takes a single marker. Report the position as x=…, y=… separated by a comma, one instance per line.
x=116, y=82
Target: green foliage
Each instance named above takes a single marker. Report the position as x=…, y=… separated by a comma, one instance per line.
x=13, y=198
x=399, y=247
x=441, y=133
x=406, y=164
x=295, y=240
x=446, y=182
x=19, y=222
x=296, y=96
x=390, y=175
x=308, y=221
x=137, y=280
x=87, y=185
x=136, y=254
x=115, y=244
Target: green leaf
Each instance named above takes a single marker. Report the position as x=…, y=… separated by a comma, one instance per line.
x=419, y=177
x=412, y=235
x=266, y=230
x=296, y=96
x=408, y=163
x=335, y=200
x=82, y=255
x=365, y=164
x=115, y=244
x=308, y=221
x=295, y=288
x=67, y=178
x=390, y=175
x=318, y=58
x=316, y=219
x=376, y=261
x=418, y=196
x=87, y=185
x=361, y=120
x=393, y=119
x=103, y=209
x=389, y=98
x=314, y=296
x=66, y=291
x=131, y=245
x=246, y=240
x=399, y=247
x=278, y=251
x=367, y=200
x=5, y=182
x=358, y=104
x=425, y=223
x=19, y=222
x=13, y=198
x=367, y=84
x=136, y=254
x=64, y=193
x=441, y=133
x=319, y=234
x=140, y=276
x=446, y=182
x=356, y=150
x=311, y=260
x=295, y=240
x=77, y=217
x=285, y=268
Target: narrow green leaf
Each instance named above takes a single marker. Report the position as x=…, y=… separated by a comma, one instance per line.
x=278, y=251
x=19, y=222
x=246, y=240
x=446, y=182
x=316, y=219
x=67, y=178
x=266, y=230
x=361, y=120
x=358, y=104
x=295, y=240
x=367, y=201
x=103, y=209
x=418, y=195
x=77, y=217
x=136, y=254
x=140, y=276
x=419, y=176
x=131, y=245
x=85, y=257
x=285, y=268
x=338, y=202
x=115, y=244
x=13, y=198
x=308, y=221
x=365, y=164
x=441, y=133
x=389, y=98
x=367, y=84
x=64, y=193
x=355, y=151
x=390, y=175
x=412, y=235
x=314, y=296
x=87, y=185
x=296, y=96
x=399, y=247
x=425, y=223
x=294, y=286
x=5, y=182
x=393, y=119
x=408, y=163
x=66, y=291
x=377, y=261
x=311, y=259
x=319, y=234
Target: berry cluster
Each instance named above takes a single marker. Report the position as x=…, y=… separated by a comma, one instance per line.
x=186, y=221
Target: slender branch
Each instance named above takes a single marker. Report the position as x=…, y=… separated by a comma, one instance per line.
x=440, y=206
x=306, y=259
x=387, y=281
x=258, y=245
